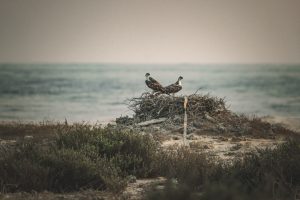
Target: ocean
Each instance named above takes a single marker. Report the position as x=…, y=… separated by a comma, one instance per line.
x=100, y=92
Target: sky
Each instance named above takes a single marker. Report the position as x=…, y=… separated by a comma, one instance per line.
x=150, y=31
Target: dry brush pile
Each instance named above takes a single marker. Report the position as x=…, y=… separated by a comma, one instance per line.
x=206, y=113
x=148, y=106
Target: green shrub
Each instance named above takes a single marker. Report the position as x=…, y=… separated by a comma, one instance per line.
x=276, y=169
x=27, y=167
x=188, y=167
x=80, y=157
x=72, y=169
x=132, y=152
x=19, y=171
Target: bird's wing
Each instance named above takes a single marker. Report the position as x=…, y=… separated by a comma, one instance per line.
x=169, y=88
x=155, y=86
x=158, y=87
x=173, y=88
x=153, y=80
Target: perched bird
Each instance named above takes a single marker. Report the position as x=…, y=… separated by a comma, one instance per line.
x=153, y=84
x=175, y=87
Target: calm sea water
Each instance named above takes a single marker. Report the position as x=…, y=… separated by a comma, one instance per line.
x=98, y=92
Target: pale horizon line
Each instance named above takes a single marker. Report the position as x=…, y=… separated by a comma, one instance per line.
x=149, y=63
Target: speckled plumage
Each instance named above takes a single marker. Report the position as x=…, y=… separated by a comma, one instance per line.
x=174, y=88
x=154, y=84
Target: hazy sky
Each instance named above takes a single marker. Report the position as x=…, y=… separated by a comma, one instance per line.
x=150, y=31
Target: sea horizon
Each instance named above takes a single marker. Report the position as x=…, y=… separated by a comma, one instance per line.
x=98, y=91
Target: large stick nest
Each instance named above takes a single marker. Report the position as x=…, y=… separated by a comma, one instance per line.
x=149, y=106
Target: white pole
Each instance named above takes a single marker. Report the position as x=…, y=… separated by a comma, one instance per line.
x=185, y=120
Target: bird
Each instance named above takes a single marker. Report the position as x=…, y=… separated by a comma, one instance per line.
x=153, y=84
x=175, y=87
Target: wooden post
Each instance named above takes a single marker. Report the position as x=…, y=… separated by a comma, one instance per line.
x=185, y=120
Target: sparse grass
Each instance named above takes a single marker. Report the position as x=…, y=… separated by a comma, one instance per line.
x=270, y=174
x=16, y=130
x=81, y=156
x=254, y=126
x=185, y=165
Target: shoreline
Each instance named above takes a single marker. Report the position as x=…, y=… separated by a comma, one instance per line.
x=292, y=123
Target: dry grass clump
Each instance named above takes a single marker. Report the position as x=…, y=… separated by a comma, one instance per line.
x=14, y=130
x=254, y=126
x=148, y=106
x=185, y=165
x=268, y=174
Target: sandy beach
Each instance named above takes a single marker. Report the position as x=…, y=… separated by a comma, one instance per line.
x=292, y=123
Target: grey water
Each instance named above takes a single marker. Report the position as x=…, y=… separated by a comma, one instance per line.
x=99, y=92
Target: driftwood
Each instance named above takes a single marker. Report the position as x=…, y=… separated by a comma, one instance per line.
x=153, y=121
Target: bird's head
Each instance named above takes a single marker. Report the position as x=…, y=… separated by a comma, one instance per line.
x=179, y=80
x=147, y=74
